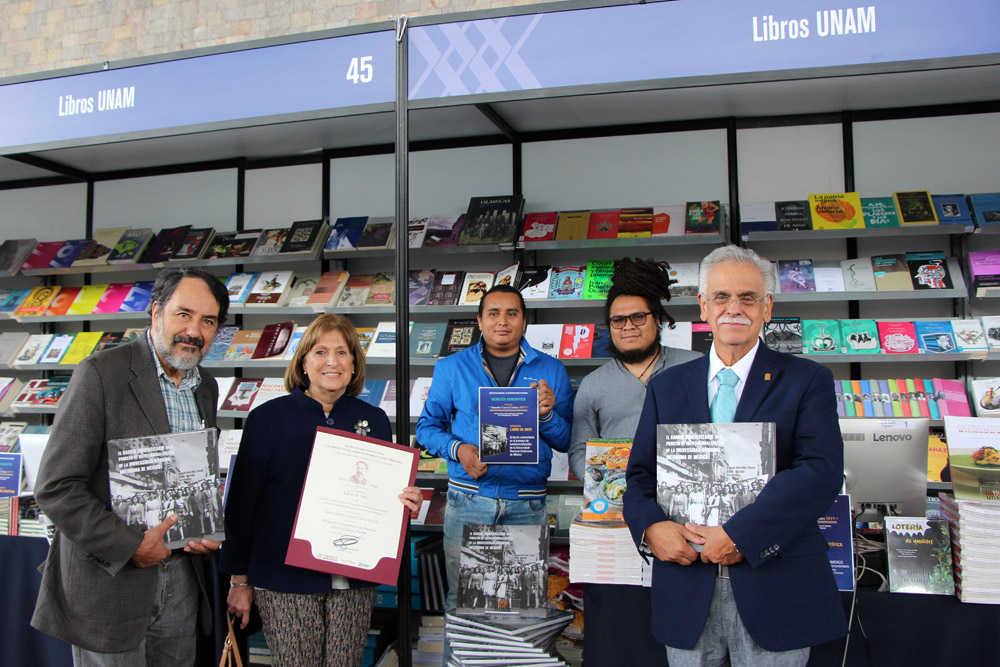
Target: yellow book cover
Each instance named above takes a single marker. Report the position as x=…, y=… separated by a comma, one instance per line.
x=915, y=208
x=81, y=347
x=839, y=210
x=572, y=225
x=37, y=300
x=87, y=299
x=937, y=457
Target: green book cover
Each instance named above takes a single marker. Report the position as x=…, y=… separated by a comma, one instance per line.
x=598, y=280
x=821, y=337
x=860, y=336
x=848, y=398
x=879, y=212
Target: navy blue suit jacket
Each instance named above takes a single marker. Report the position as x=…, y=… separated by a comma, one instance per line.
x=784, y=589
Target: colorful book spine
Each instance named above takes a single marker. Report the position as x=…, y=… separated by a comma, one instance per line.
x=849, y=398
x=859, y=406
x=866, y=399
x=931, y=400
x=911, y=394
x=841, y=410
x=886, y=399
x=900, y=407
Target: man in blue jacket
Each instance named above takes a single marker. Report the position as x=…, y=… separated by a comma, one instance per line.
x=448, y=427
x=761, y=591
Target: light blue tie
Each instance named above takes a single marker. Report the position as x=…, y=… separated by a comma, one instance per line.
x=724, y=403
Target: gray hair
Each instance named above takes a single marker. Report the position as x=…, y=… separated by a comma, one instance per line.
x=734, y=253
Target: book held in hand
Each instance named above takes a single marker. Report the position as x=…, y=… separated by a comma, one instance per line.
x=155, y=476
x=508, y=425
x=705, y=473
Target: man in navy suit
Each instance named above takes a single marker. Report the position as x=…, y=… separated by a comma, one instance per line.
x=761, y=592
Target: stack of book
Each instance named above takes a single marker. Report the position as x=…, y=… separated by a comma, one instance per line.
x=485, y=639
x=973, y=509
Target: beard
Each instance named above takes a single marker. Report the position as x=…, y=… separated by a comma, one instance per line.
x=181, y=362
x=635, y=356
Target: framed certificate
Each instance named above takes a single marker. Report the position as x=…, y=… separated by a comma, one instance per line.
x=350, y=521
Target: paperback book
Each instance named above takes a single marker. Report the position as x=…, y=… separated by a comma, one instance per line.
x=892, y=273
x=345, y=233
x=446, y=288
x=418, y=285
x=533, y=282
x=634, y=223
x=859, y=276
x=194, y=245
x=840, y=210
x=383, y=290
x=929, y=270
x=567, y=282
x=269, y=243
x=784, y=334
x=598, y=278
x=154, y=476
x=603, y=225
x=540, y=226
x=573, y=225
x=915, y=208
x=377, y=234
x=879, y=212
x=305, y=237
x=700, y=465
x=918, y=550
x=443, y=231
x=822, y=337
x=474, y=287
x=492, y=220
x=459, y=335
x=232, y=244
x=577, y=341
x=163, y=244
x=860, y=336
x=793, y=216
x=703, y=217
x=796, y=275
x=604, y=480
x=356, y=291
x=239, y=285
x=130, y=246
x=953, y=210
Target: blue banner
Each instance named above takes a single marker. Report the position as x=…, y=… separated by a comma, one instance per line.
x=333, y=73
x=689, y=38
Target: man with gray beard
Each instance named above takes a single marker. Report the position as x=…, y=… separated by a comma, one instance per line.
x=105, y=581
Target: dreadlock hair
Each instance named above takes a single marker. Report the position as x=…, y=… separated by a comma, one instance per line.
x=645, y=278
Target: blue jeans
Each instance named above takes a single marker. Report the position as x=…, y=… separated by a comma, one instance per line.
x=171, y=636
x=465, y=508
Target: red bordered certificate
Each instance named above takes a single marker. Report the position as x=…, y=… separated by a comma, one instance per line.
x=350, y=521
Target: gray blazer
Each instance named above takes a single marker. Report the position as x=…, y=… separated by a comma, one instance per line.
x=91, y=595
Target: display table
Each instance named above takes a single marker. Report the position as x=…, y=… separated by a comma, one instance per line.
x=23, y=645
x=902, y=629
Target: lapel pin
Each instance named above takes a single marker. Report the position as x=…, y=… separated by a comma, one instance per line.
x=767, y=377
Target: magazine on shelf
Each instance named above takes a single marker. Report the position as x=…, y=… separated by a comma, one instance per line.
x=705, y=473
x=154, y=476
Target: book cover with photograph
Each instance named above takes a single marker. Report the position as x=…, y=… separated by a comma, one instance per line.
x=504, y=569
x=492, y=220
x=239, y=285
x=705, y=473
x=241, y=394
x=232, y=244
x=426, y=339
x=985, y=208
x=269, y=243
x=273, y=340
x=918, y=551
x=152, y=477
x=953, y=210
x=784, y=334
x=15, y=252
x=507, y=276
x=345, y=233
x=604, y=479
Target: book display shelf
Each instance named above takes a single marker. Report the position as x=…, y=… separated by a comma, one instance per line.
x=664, y=122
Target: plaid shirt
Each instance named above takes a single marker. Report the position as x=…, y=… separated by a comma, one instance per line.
x=182, y=408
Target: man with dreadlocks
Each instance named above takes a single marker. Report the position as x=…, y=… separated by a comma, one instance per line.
x=610, y=399
x=608, y=405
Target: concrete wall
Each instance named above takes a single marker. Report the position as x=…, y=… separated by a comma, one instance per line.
x=44, y=35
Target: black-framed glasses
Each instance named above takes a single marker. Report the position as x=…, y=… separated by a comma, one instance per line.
x=637, y=318
x=745, y=300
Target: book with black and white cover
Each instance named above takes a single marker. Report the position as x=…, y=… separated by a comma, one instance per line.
x=918, y=550
x=784, y=334
x=698, y=464
x=533, y=282
x=304, y=237
x=152, y=477
x=415, y=232
x=492, y=220
x=504, y=569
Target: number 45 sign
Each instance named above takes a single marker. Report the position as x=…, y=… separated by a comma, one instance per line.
x=360, y=70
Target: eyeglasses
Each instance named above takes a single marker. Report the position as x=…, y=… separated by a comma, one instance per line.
x=638, y=319
x=746, y=300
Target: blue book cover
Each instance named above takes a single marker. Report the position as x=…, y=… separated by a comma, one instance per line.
x=985, y=208
x=953, y=210
x=240, y=284
x=602, y=342
x=345, y=233
x=372, y=392
x=567, y=282
x=877, y=407
x=10, y=474
x=67, y=254
x=13, y=299
x=837, y=531
x=935, y=337
x=508, y=425
x=223, y=337
x=931, y=398
x=138, y=298
x=866, y=398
